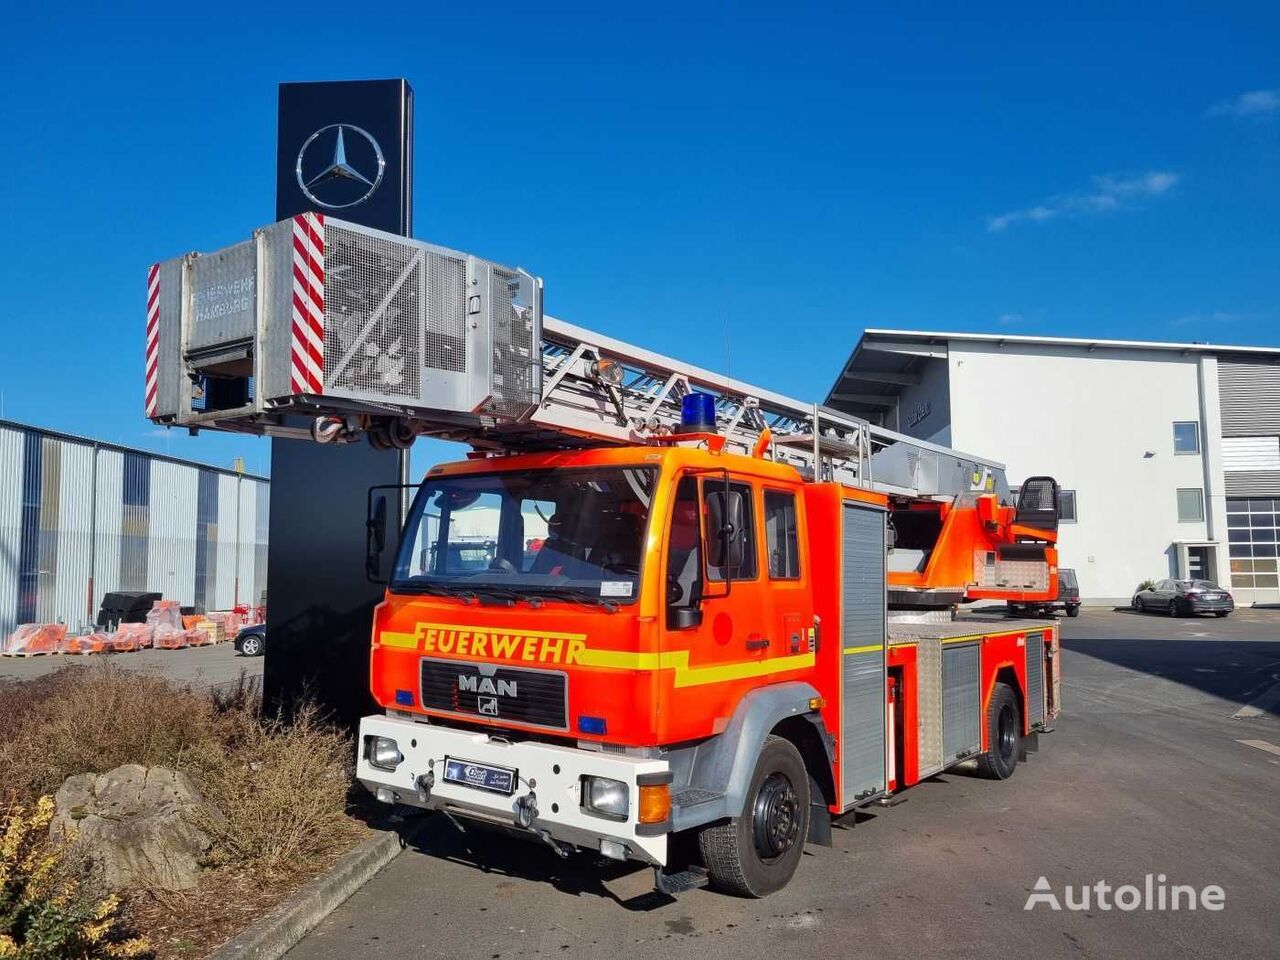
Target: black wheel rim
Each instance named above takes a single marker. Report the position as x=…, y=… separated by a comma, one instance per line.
x=1006, y=731
x=775, y=817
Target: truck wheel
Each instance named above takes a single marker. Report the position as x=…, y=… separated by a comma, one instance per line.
x=756, y=853
x=1004, y=734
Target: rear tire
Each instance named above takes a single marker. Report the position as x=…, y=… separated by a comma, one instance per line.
x=1073, y=610
x=1173, y=608
x=1004, y=734
x=251, y=646
x=756, y=853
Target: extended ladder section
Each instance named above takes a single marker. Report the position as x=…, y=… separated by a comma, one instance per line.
x=316, y=327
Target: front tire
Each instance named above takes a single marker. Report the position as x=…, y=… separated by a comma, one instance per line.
x=1004, y=734
x=1139, y=605
x=251, y=646
x=756, y=853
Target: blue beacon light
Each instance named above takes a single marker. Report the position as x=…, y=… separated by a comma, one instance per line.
x=698, y=413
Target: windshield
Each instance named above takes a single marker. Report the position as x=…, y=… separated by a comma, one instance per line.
x=577, y=532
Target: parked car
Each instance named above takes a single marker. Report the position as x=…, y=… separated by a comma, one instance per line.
x=1181, y=598
x=1068, y=599
x=251, y=641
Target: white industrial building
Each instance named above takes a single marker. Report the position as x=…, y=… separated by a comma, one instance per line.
x=1168, y=454
x=80, y=518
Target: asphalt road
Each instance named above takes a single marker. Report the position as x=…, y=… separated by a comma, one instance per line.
x=1146, y=773
x=217, y=665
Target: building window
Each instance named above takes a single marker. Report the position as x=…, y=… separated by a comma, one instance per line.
x=1253, y=543
x=1066, y=506
x=1186, y=436
x=1190, y=504
x=781, y=535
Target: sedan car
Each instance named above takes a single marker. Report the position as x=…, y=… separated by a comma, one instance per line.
x=1181, y=598
x=251, y=641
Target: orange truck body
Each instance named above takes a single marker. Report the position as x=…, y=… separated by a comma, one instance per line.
x=775, y=643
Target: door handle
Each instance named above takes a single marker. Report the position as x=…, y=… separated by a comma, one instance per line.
x=760, y=643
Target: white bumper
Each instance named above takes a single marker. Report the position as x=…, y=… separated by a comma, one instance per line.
x=554, y=771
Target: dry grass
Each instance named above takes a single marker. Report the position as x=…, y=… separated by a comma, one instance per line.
x=89, y=719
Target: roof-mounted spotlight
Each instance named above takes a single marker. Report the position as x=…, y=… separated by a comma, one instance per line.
x=607, y=371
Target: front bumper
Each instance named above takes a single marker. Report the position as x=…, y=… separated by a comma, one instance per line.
x=552, y=773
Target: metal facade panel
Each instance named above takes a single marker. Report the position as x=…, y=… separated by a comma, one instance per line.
x=224, y=597
x=70, y=599
x=262, y=516
x=135, y=521
x=11, y=461
x=171, y=559
x=862, y=627
x=247, y=541
x=1252, y=483
x=1035, y=677
x=929, y=705
x=109, y=511
x=961, y=730
x=1249, y=397
x=1251, y=453
x=206, y=560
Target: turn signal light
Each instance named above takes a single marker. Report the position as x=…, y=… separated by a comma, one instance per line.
x=655, y=803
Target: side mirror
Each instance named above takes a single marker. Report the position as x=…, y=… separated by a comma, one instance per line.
x=375, y=536
x=728, y=531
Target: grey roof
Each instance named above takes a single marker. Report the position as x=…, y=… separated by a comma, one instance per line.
x=884, y=361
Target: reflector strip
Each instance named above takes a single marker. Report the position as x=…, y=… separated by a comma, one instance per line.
x=307, y=360
x=153, y=340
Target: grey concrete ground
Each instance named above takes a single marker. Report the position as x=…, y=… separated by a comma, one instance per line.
x=1146, y=773
x=197, y=666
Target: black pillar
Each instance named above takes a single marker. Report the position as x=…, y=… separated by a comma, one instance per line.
x=345, y=150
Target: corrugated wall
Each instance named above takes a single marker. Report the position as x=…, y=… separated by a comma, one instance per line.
x=78, y=520
x=228, y=541
x=11, y=453
x=1249, y=397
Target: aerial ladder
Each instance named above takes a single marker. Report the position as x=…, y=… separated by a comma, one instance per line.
x=322, y=329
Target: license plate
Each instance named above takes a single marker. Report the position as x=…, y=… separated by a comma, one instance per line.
x=480, y=776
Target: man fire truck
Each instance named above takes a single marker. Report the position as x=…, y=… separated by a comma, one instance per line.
x=653, y=604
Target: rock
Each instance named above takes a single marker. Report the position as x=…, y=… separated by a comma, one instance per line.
x=139, y=826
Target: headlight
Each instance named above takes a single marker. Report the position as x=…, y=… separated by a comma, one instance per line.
x=383, y=753
x=605, y=797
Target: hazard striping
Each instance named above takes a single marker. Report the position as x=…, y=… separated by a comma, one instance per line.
x=1261, y=745
x=1267, y=701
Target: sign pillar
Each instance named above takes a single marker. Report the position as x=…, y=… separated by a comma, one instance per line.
x=344, y=149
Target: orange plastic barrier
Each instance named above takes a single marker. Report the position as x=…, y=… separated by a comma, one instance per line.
x=190, y=622
x=33, y=638
x=170, y=638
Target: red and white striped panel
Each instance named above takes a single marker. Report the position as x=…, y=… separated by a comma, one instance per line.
x=307, y=369
x=153, y=339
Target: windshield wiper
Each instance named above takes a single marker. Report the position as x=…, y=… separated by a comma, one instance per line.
x=583, y=597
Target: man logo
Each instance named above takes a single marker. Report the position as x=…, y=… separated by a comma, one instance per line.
x=328, y=177
x=501, y=688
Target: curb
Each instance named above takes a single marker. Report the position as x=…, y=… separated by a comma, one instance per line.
x=274, y=933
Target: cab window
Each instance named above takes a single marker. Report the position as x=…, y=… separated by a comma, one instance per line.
x=747, y=569
x=684, y=550
x=782, y=538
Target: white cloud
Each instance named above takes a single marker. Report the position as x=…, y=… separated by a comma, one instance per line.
x=1009, y=319
x=1252, y=104
x=1107, y=194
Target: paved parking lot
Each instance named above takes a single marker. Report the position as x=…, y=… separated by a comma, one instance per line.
x=1159, y=766
x=197, y=666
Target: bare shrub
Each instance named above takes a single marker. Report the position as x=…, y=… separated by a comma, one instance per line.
x=283, y=790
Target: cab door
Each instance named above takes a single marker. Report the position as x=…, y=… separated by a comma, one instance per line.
x=736, y=601
x=791, y=601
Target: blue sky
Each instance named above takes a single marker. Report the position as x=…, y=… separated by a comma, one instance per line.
x=672, y=172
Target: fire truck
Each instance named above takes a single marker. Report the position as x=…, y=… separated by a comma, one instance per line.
x=657, y=614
